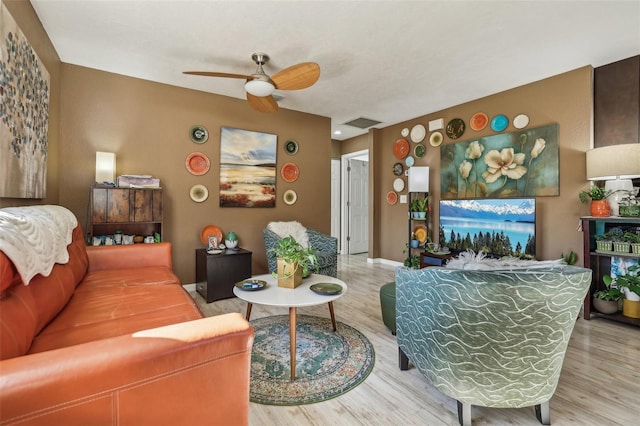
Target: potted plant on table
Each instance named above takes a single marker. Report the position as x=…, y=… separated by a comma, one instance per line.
x=599, y=204
x=629, y=285
x=293, y=261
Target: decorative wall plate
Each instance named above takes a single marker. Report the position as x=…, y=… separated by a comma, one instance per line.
x=401, y=148
x=478, y=121
x=455, y=128
x=405, y=132
x=435, y=139
x=290, y=172
x=290, y=197
x=420, y=232
x=398, y=184
x=499, y=123
x=409, y=161
x=210, y=230
x=199, y=193
x=521, y=121
x=397, y=169
x=291, y=147
x=199, y=134
x=419, y=151
x=392, y=197
x=197, y=163
x=418, y=132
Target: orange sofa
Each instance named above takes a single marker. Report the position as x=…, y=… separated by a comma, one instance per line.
x=112, y=337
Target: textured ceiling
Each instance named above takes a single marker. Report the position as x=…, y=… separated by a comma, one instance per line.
x=389, y=61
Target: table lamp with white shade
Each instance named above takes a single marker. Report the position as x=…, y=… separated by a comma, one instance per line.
x=616, y=165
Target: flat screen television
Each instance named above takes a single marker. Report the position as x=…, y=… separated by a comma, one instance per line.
x=497, y=227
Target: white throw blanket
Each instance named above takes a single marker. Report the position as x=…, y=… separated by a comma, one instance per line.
x=469, y=260
x=295, y=229
x=36, y=237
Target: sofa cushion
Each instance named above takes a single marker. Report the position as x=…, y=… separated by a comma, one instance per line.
x=115, y=302
x=26, y=310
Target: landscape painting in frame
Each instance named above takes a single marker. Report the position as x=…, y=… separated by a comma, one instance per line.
x=247, y=168
x=24, y=114
x=523, y=163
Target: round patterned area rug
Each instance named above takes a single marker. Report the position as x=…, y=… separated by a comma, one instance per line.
x=328, y=363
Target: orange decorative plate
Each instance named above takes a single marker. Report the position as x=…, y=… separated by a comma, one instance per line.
x=392, y=197
x=420, y=233
x=401, y=148
x=478, y=121
x=197, y=163
x=290, y=172
x=213, y=231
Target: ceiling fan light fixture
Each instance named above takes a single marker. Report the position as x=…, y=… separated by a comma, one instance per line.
x=259, y=88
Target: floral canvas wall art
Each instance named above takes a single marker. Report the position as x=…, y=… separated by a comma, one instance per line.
x=517, y=164
x=24, y=114
x=247, y=168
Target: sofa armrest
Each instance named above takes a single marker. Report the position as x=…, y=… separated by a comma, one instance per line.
x=322, y=242
x=136, y=378
x=129, y=256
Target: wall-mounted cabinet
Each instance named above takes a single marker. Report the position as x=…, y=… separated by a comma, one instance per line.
x=133, y=211
x=600, y=261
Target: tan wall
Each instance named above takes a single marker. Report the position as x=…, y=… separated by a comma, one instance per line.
x=565, y=99
x=31, y=27
x=147, y=125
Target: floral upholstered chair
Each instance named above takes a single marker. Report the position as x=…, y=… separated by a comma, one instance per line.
x=489, y=338
x=325, y=246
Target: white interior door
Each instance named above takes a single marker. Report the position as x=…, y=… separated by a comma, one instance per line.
x=358, y=206
x=335, y=200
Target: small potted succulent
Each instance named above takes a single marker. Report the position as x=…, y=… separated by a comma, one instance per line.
x=634, y=240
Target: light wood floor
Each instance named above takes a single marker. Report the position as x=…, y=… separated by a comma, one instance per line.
x=599, y=384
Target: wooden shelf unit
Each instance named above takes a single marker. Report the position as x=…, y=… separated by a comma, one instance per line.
x=600, y=263
x=134, y=211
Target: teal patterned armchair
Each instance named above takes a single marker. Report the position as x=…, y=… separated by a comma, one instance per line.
x=326, y=248
x=489, y=338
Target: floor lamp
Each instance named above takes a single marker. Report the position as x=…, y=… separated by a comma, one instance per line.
x=616, y=165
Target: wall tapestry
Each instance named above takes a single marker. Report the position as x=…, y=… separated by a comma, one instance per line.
x=517, y=164
x=247, y=168
x=24, y=114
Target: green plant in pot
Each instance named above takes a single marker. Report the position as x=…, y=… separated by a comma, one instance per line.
x=598, y=196
x=607, y=301
x=419, y=206
x=629, y=285
x=294, y=261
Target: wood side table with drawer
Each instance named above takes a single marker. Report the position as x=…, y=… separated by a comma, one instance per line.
x=216, y=274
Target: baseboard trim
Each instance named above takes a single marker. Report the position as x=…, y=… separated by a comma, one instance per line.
x=190, y=287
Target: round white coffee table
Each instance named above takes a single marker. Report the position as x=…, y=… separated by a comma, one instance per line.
x=299, y=297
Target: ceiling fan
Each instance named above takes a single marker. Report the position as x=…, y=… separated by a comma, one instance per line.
x=260, y=86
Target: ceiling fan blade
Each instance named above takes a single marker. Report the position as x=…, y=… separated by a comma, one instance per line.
x=297, y=77
x=262, y=103
x=217, y=74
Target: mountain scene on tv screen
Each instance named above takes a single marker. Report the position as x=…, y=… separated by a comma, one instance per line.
x=497, y=227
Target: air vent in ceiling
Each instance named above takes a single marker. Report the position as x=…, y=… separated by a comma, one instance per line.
x=362, y=123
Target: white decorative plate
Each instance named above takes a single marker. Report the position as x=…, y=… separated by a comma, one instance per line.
x=418, y=132
x=405, y=132
x=520, y=121
x=199, y=193
x=435, y=139
x=290, y=197
x=398, y=184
